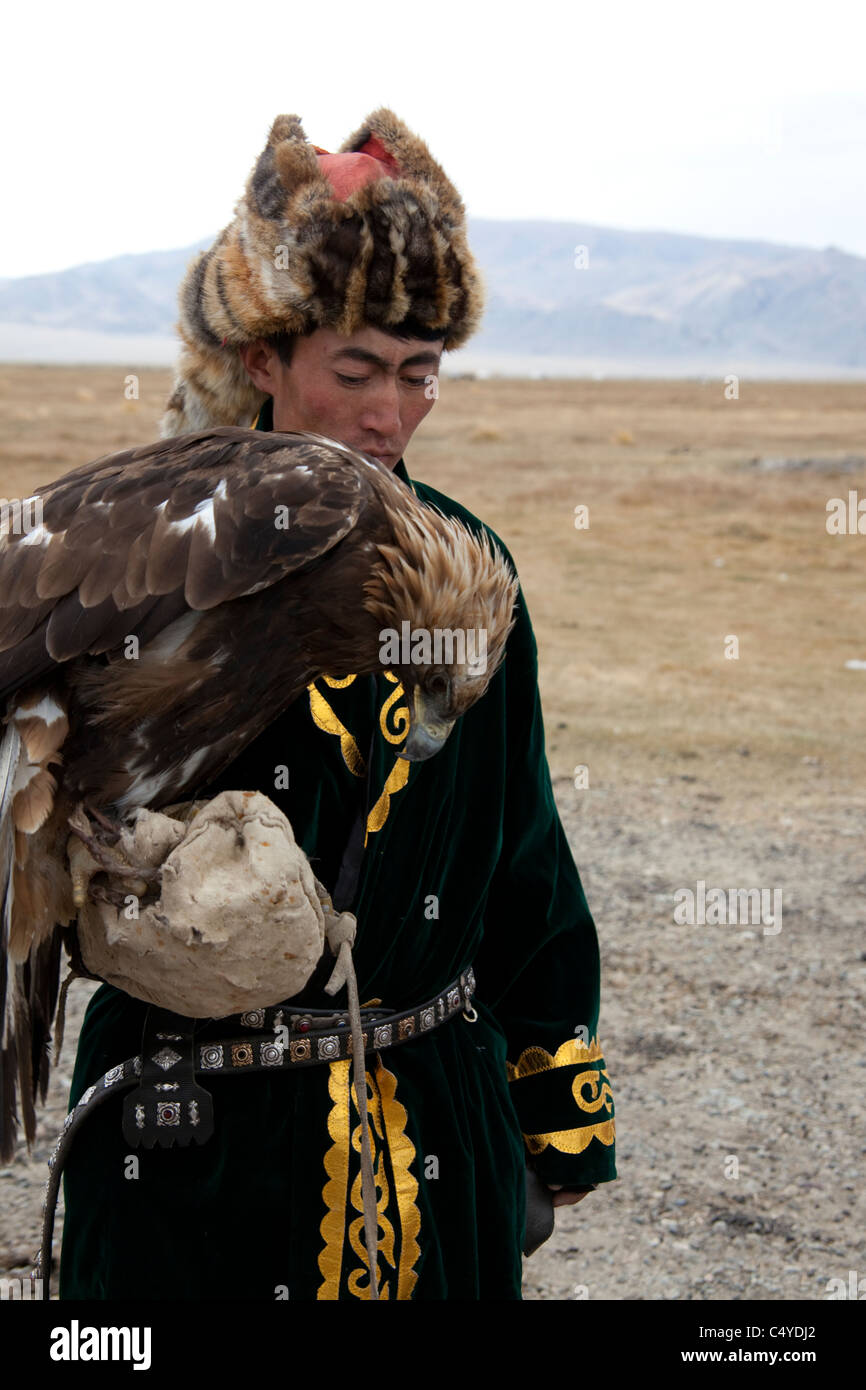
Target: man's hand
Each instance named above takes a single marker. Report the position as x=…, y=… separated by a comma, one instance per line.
x=565, y=1199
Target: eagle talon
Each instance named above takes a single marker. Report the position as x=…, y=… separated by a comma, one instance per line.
x=112, y=864
x=99, y=892
x=88, y=856
x=112, y=827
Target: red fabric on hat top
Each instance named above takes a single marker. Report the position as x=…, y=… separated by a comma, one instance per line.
x=346, y=172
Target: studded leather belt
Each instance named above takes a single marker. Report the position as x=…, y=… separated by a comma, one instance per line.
x=168, y=1107
x=307, y=1037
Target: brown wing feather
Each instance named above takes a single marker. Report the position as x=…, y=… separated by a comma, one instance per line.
x=127, y=544
x=192, y=516
x=34, y=897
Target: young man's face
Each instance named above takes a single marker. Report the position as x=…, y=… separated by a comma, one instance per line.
x=369, y=390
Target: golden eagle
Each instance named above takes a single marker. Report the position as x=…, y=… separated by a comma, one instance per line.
x=169, y=603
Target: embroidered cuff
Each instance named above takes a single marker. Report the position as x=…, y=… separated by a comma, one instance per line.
x=565, y=1107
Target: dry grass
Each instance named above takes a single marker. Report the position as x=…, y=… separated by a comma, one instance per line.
x=686, y=545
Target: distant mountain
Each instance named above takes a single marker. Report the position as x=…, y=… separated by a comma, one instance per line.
x=128, y=294
x=683, y=298
x=556, y=290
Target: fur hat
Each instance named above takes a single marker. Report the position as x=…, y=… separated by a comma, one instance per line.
x=370, y=236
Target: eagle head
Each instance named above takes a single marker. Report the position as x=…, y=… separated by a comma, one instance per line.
x=444, y=599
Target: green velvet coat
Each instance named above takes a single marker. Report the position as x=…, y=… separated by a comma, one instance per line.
x=465, y=862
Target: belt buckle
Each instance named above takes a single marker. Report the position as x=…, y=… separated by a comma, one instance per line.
x=467, y=987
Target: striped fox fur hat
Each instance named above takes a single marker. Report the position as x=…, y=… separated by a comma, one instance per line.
x=367, y=237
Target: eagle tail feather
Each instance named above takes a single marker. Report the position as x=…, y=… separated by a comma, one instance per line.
x=10, y=754
x=30, y=954
x=8, y=1109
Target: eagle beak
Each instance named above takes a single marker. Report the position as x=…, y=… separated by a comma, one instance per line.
x=428, y=730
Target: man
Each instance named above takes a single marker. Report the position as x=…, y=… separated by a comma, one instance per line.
x=326, y=306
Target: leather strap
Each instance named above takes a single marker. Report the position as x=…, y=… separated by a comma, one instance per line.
x=350, y=867
x=168, y=1107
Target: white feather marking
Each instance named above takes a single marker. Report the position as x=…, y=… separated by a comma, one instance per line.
x=46, y=709
x=143, y=789
x=24, y=776
x=172, y=638
x=37, y=536
x=192, y=764
x=10, y=756
x=203, y=512
x=186, y=523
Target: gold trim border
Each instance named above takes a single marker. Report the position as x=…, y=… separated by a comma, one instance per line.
x=572, y=1141
x=571, y=1053
x=388, y=1118
x=327, y=719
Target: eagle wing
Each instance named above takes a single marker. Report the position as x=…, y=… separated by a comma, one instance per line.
x=129, y=542
x=136, y=539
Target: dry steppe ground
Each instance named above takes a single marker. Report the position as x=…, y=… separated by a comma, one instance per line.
x=735, y=1054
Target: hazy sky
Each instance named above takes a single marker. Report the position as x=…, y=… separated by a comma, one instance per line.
x=133, y=127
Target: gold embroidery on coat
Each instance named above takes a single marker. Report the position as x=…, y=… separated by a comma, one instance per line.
x=570, y=1053
x=401, y=714
x=392, y=1150
x=397, y=779
x=402, y=1152
x=572, y=1141
x=326, y=718
x=598, y=1094
x=573, y=1052
x=334, y=1191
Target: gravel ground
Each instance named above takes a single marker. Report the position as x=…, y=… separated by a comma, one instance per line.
x=722, y=1043
x=22, y=1184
